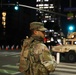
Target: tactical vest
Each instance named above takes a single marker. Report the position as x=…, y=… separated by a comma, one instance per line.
x=31, y=61
x=28, y=57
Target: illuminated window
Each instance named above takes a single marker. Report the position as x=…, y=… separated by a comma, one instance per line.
x=38, y=0
x=41, y=7
x=46, y=16
x=51, y=6
x=40, y=11
x=46, y=5
x=52, y=21
x=37, y=5
x=49, y=16
x=45, y=21
x=46, y=0
x=40, y=4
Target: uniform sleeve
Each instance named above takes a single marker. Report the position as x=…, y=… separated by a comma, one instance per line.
x=47, y=59
x=45, y=54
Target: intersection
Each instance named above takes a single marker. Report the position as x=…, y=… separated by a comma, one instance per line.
x=9, y=65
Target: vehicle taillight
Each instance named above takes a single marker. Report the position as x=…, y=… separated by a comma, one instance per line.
x=45, y=40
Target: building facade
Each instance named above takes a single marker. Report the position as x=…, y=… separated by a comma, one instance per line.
x=50, y=6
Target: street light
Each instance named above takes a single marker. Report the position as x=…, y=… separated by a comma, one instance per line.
x=4, y=19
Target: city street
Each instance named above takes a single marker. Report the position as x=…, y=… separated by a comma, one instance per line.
x=9, y=61
x=52, y=22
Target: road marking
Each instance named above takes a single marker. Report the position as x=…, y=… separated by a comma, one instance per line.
x=15, y=73
x=11, y=66
x=70, y=64
x=7, y=71
x=10, y=53
x=16, y=56
x=68, y=68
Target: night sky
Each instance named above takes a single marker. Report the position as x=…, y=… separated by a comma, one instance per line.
x=17, y=22
x=17, y=26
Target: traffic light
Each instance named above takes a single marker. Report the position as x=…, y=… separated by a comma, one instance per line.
x=16, y=7
x=71, y=27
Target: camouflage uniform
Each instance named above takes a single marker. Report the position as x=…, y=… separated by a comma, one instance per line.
x=38, y=52
x=36, y=68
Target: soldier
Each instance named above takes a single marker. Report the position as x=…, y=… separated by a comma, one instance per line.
x=38, y=56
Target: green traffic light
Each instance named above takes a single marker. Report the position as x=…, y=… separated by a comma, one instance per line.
x=71, y=28
x=16, y=6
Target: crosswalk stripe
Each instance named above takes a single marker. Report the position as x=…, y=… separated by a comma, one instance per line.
x=10, y=70
x=15, y=73
x=66, y=68
x=10, y=53
x=70, y=64
x=11, y=66
x=61, y=67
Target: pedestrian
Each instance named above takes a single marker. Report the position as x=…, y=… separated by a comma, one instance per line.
x=36, y=58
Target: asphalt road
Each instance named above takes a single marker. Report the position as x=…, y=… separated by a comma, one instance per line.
x=9, y=61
